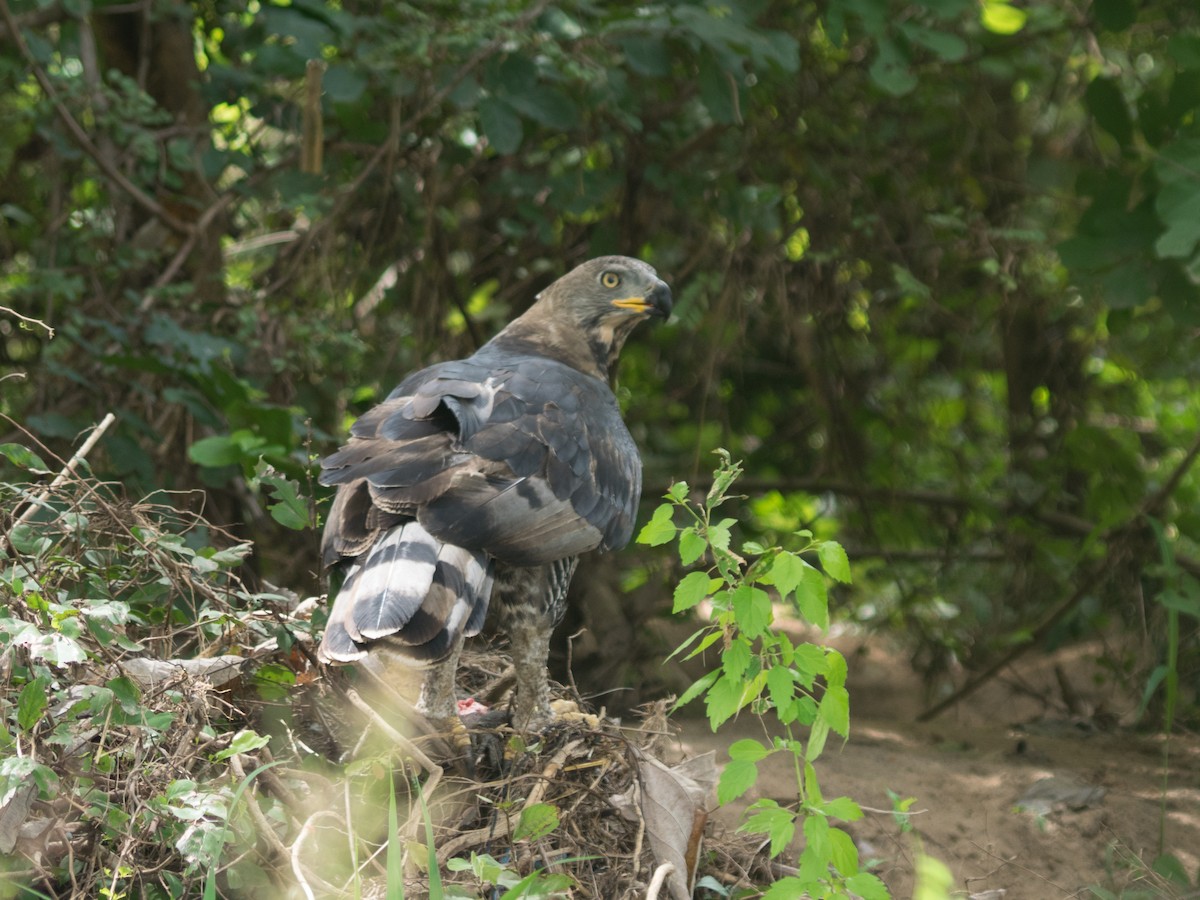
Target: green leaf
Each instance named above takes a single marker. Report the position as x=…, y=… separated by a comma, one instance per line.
x=843, y=854
x=834, y=561
x=660, y=529
x=678, y=491
x=701, y=685
x=737, y=777
x=341, y=84
x=781, y=687
x=244, y=741
x=535, y=822
x=748, y=748
x=890, y=69
x=786, y=572
x=791, y=888
x=867, y=886
x=1106, y=103
x=766, y=816
x=934, y=879
x=691, y=546
x=216, y=451
x=999, y=17
x=817, y=736
x=735, y=661
x=709, y=639
x=843, y=808
x=32, y=703
x=126, y=692
x=24, y=458
x=545, y=104
x=1114, y=15
x=290, y=509
x=692, y=588
x=719, y=535
x=723, y=700
x=947, y=46
x=812, y=598
x=835, y=709
x=751, y=609
x=1178, y=200
x=500, y=125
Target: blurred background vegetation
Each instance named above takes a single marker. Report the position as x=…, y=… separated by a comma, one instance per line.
x=936, y=267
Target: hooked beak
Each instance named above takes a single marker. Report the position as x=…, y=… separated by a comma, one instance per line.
x=656, y=303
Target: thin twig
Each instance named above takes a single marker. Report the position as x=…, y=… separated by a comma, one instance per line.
x=67, y=470
x=28, y=320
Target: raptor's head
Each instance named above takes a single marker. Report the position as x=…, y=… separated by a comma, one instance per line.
x=600, y=301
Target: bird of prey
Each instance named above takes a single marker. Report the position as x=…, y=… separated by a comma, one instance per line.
x=480, y=481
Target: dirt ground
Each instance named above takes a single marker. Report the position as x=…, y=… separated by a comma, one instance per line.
x=969, y=768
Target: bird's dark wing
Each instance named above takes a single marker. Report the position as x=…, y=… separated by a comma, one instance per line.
x=523, y=458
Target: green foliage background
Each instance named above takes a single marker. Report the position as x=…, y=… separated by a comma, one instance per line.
x=936, y=266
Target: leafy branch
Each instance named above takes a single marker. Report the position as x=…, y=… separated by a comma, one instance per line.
x=803, y=686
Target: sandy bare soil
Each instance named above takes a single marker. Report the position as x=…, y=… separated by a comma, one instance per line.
x=969, y=769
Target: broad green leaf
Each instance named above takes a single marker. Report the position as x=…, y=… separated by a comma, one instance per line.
x=835, y=709
x=817, y=737
x=691, y=546
x=341, y=84
x=812, y=598
x=843, y=853
x=535, y=822
x=501, y=125
x=843, y=808
x=1000, y=17
x=787, y=572
x=781, y=687
x=1106, y=103
x=678, y=491
x=244, y=741
x=701, y=685
x=660, y=529
x=31, y=704
x=1114, y=15
x=692, y=589
x=867, y=886
x=834, y=561
x=768, y=817
x=735, y=661
x=934, y=879
x=890, y=69
x=791, y=888
x=216, y=451
x=723, y=700
x=949, y=47
x=545, y=104
x=738, y=776
x=126, y=692
x=751, y=609
x=748, y=748
x=290, y=509
x=719, y=535
x=24, y=458
x=816, y=837
x=1178, y=198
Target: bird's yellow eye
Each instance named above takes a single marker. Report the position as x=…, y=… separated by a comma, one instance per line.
x=610, y=279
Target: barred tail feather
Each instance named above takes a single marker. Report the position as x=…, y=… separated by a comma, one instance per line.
x=413, y=592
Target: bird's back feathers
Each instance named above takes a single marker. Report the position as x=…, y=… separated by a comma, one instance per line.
x=517, y=455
